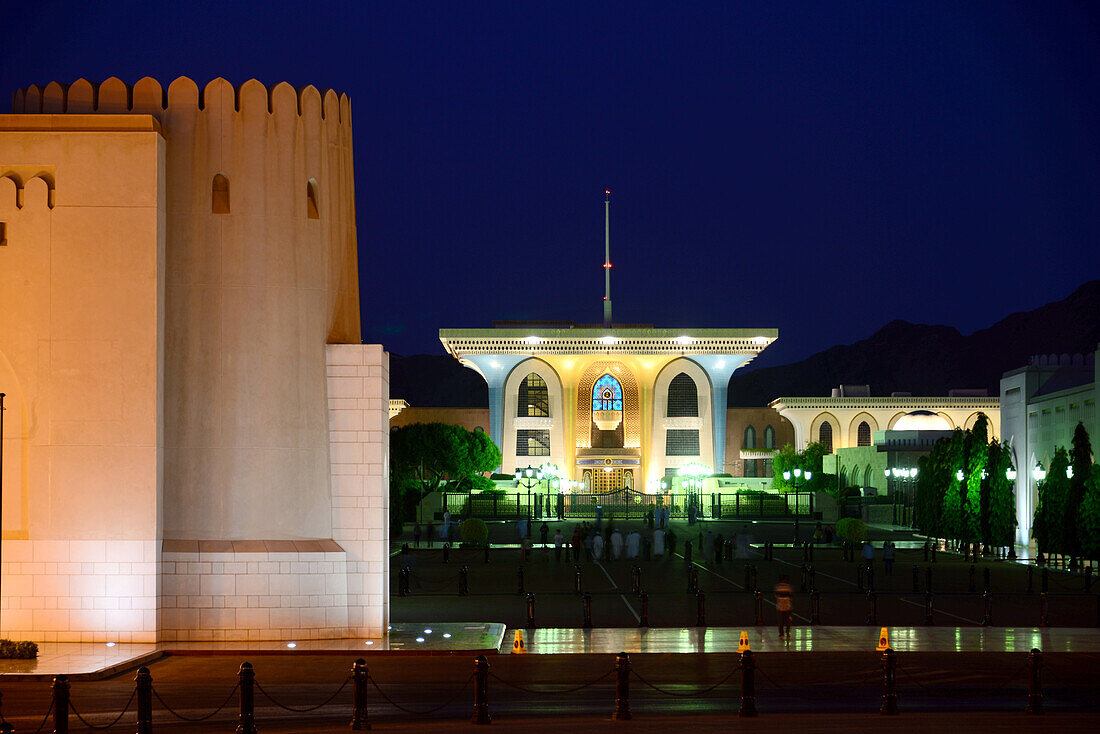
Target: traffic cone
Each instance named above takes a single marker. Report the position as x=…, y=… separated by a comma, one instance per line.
x=518, y=648
x=743, y=643
x=883, y=640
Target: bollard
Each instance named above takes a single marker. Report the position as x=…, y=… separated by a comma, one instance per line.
x=519, y=582
x=144, y=682
x=928, y=616
x=1044, y=621
x=576, y=579
x=644, y=620
x=986, y=579
x=587, y=602
x=403, y=581
x=872, y=608
x=61, y=704
x=928, y=578
x=1034, y=682
x=815, y=607
x=759, y=607
x=870, y=577
x=805, y=552
x=859, y=577
x=530, y=611
x=481, y=691
x=486, y=552
x=1045, y=579
x=748, y=685
x=1030, y=573
x=687, y=552
x=700, y=610
x=246, y=719
x=987, y=617
x=813, y=579
x=360, y=717
x=636, y=579
x=889, y=684
x=916, y=582
x=805, y=579
x=446, y=552
x=622, y=687
x=463, y=581
x=971, y=585
x=693, y=580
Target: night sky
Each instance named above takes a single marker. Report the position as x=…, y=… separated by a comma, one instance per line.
x=822, y=168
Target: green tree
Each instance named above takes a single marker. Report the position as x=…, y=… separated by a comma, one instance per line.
x=810, y=459
x=933, y=480
x=977, y=451
x=954, y=523
x=999, y=515
x=1081, y=461
x=1050, y=513
x=424, y=457
x=1088, y=519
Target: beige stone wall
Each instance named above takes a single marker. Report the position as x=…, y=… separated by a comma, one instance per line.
x=81, y=325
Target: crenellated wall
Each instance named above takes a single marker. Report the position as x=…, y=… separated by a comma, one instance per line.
x=253, y=295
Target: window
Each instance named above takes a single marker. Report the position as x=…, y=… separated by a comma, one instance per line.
x=607, y=394
x=533, y=397
x=867, y=476
x=682, y=442
x=825, y=436
x=863, y=434
x=3, y=234
x=532, y=443
x=683, y=397
x=769, y=438
x=311, y=200
x=219, y=195
x=750, y=438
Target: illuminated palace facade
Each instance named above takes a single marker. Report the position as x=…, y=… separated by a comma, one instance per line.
x=612, y=407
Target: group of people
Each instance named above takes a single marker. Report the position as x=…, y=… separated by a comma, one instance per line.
x=889, y=552
x=430, y=531
x=597, y=543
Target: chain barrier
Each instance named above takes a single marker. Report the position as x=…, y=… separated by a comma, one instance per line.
x=700, y=692
x=566, y=690
x=427, y=712
x=45, y=718
x=72, y=707
x=790, y=691
x=306, y=709
x=950, y=694
x=178, y=715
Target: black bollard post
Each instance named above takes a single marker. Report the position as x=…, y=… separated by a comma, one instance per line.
x=859, y=577
x=1030, y=574
x=700, y=610
x=805, y=577
x=61, y=704
x=463, y=581
x=759, y=598
x=1044, y=610
x=577, y=579
x=1045, y=579
x=644, y=620
x=481, y=691
x=530, y=611
x=929, y=619
x=246, y=718
x=987, y=616
x=928, y=578
x=519, y=582
x=815, y=607
x=587, y=601
x=986, y=579
x=889, y=684
x=870, y=577
x=693, y=580
x=403, y=581
x=636, y=579
x=486, y=552
x=971, y=584
x=446, y=552
x=360, y=716
x=144, y=682
x=813, y=579
x=916, y=582
x=872, y=608
x=687, y=552
x=748, y=686
x=1034, y=682
x=622, y=687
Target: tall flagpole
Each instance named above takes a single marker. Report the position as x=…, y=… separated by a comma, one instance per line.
x=607, y=259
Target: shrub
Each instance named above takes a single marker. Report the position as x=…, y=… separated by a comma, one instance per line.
x=502, y=477
x=851, y=529
x=18, y=650
x=474, y=531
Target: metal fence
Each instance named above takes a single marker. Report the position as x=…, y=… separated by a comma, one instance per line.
x=628, y=504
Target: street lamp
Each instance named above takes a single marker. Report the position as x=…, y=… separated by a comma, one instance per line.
x=691, y=477
x=529, y=477
x=797, y=481
x=1039, y=473
x=1010, y=475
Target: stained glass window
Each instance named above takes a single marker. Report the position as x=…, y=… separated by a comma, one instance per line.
x=607, y=394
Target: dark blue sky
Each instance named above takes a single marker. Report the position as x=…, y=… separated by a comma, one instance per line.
x=818, y=167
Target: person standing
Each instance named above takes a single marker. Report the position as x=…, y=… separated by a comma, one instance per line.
x=658, y=543
x=416, y=535
x=446, y=525
x=558, y=540
x=784, y=606
x=597, y=546
x=616, y=544
x=868, y=553
x=670, y=540
x=633, y=544
x=888, y=553
x=544, y=530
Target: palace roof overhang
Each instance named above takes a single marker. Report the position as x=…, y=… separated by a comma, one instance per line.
x=899, y=403
x=461, y=343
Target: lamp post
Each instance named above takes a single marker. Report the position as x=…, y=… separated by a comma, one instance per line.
x=691, y=477
x=903, y=476
x=529, y=478
x=1010, y=475
x=797, y=477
